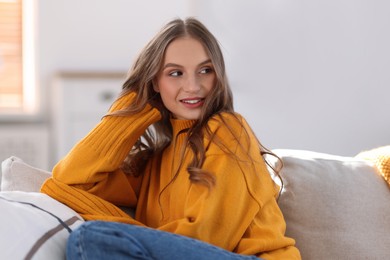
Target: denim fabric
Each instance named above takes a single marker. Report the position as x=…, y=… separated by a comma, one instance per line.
x=109, y=240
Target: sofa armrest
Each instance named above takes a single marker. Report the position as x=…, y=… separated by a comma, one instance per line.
x=19, y=176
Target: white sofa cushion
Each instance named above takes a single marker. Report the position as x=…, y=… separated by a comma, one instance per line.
x=335, y=207
x=34, y=226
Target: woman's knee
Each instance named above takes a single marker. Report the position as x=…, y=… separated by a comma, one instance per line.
x=116, y=240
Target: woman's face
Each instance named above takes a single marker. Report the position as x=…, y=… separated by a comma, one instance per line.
x=186, y=78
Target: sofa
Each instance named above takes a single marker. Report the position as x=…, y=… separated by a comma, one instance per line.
x=335, y=207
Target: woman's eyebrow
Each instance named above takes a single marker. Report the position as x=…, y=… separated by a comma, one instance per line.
x=172, y=65
x=205, y=62
x=175, y=65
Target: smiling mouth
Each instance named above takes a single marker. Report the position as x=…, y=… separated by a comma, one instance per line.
x=192, y=101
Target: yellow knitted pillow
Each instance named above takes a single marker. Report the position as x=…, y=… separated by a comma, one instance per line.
x=381, y=158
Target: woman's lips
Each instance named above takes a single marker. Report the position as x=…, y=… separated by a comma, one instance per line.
x=192, y=102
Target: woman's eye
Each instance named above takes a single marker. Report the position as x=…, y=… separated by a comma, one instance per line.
x=175, y=73
x=206, y=70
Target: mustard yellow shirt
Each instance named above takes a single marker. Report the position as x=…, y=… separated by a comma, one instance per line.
x=239, y=213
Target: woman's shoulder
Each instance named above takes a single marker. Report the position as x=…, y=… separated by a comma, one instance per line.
x=224, y=119
x=229, y=123
x=230, y=129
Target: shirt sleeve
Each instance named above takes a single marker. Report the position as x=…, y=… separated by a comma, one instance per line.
x=91, y=168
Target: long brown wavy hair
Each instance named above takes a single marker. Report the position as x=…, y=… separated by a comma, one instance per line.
x=141, y=78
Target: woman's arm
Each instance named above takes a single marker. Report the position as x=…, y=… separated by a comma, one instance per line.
x=91, y=169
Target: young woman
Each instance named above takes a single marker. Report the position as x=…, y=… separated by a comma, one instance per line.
x=173, y=148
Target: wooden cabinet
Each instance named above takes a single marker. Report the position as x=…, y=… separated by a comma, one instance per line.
x=79, y=101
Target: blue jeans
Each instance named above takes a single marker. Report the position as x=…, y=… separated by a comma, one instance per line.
x=110, y=240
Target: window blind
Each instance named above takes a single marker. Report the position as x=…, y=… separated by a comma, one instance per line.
x=11, y=61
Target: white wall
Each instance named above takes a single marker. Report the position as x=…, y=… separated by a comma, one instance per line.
x=307, y=74
x=97, y=35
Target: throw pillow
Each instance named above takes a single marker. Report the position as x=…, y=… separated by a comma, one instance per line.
x=34, y=226
x=335, y=207
x=381, y=158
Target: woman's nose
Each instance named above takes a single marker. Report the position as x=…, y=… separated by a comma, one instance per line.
x=192, y=84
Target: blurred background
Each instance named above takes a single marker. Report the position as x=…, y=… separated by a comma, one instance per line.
x=306, y=74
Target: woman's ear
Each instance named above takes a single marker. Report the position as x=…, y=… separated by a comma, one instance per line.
x=155, y=86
